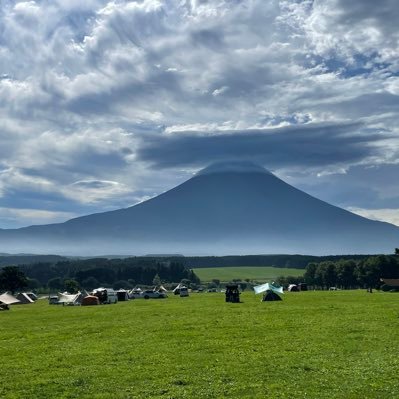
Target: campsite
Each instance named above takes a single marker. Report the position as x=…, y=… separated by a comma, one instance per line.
x=316, y=344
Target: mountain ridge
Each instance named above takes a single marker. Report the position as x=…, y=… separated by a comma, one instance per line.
x=225, y=208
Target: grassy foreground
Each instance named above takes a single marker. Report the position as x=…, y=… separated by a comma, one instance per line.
x=342, y=344
x=243, y=272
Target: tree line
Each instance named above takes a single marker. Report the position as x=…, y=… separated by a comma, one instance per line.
x=92, y=273
x=351, y=273
x=285, y=261
x=193, y=262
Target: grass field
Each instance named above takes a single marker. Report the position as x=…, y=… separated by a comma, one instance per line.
x=243, y=272
x=341, y=344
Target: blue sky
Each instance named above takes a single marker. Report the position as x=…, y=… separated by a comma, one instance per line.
x=107, y=103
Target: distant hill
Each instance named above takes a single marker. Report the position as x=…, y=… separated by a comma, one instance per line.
x=227, y=208
x=14, y=260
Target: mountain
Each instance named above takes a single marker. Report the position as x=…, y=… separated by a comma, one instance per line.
x=227, y=208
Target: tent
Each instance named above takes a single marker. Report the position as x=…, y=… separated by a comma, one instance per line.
x=90, y=300
x=122, y=295
x=32, y=296
x=271, y=291
x=135, y=293
x=70, y=299
x=270, y=296
x=180, y=286
x=7, y=299
x=293, y=288
x=176, y=291
x=24, y=298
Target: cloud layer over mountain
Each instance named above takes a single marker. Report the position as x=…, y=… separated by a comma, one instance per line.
x=107, y=103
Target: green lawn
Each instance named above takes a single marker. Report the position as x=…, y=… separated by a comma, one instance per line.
x=242, y=272
x=341, y=344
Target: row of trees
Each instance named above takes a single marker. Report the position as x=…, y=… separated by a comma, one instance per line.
x=92, y=273
x=286, y=261
x=12, y=279
x=352, y=273
x=107, y=270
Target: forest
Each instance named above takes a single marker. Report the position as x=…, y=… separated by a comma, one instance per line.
x=95, y=272
x=352, y=273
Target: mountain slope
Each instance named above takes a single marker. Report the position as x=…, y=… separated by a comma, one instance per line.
x=226, y=208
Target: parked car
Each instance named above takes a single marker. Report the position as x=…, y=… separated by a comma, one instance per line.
x=135, y=293
x=106, y=295
x=183, y=291
x=53, y=300
x=148, y=294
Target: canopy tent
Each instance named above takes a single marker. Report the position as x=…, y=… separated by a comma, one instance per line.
x=176, y=291
x=271, y=291
x=161, y=288
x=269, y=287
x=69, y=299
x=8, y=299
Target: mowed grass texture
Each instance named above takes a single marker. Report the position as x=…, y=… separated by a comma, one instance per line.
x=342, y=344
x=245, y=272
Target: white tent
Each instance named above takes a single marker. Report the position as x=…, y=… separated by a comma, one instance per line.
x=176, y=291
x=268, y=287
x=8, y=299
x=161, y=288
x=69, y=299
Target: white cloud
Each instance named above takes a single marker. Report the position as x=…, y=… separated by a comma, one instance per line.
x=14, y=216
x=84, y=85
x=91, y=191
x=218, y=92
x=383, y=215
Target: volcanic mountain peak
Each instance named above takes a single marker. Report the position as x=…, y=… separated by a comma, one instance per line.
x=233, y=166
x=229, y=207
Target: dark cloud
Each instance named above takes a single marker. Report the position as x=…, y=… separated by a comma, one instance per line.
x=305, y=145
x=93, y=184
x=384, y=14
x=211, y=38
